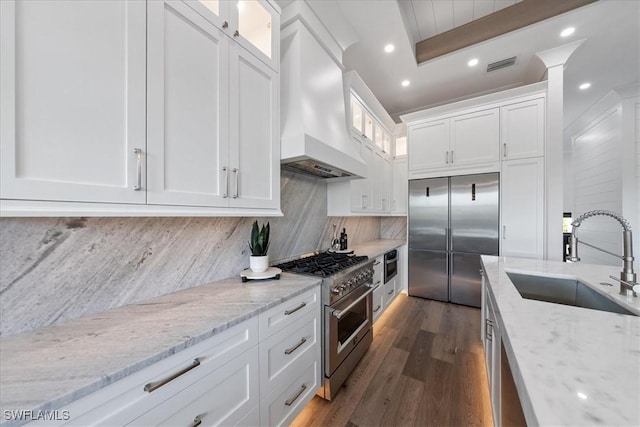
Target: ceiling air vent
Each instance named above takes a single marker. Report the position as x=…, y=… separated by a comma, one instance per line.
x=501, y=64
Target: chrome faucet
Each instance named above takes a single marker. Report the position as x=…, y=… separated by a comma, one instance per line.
x=627, y=278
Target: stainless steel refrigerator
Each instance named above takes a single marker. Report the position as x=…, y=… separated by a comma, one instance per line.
x=452, y=221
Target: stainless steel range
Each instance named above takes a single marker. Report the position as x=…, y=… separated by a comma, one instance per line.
x=348, y=316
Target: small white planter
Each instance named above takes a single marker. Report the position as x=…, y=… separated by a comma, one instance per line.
x=259, y=264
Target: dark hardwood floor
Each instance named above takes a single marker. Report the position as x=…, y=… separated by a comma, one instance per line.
x=424, y=368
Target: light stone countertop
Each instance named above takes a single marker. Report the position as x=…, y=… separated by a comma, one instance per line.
x=375, y=248
x=53, y=366
x=572, y=366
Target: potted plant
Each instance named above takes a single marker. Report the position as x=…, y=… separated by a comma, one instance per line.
x=259, y=245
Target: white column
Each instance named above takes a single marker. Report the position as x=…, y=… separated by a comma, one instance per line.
x=555, y=59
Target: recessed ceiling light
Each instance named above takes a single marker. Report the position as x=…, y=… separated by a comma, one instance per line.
x=472, y=62
x=582, y=396
x=567, y=32
x=405, y=83
x=584, y=86
x=389, y=48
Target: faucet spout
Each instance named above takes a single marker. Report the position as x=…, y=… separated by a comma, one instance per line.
x=627, y=274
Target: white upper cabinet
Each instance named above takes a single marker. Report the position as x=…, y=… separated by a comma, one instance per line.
x=428, y=145
x=254, y=24
x=254, y=133
x=454, y=143
x=72, y=113
x=522, y=129
x=188, y=113
x=154, y=103
x=475, y=138
x=400, y=190
x=212, y=135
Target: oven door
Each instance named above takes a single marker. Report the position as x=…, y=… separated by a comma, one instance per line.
x=390, y=265
x=346, y=323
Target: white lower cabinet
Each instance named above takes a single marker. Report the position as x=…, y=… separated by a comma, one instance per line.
x=378, y=302
x=179, y=384
x=259, y=372
x=385, y=293
x=290, y=358
x=491, y=339
x=389, y=291
x=223, y=397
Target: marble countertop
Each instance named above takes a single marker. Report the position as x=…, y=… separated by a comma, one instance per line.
x=572, y=366
x=375, y=248
x=53, y=366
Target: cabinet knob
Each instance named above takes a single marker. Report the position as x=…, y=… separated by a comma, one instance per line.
x=236, y=33
x=225, y=25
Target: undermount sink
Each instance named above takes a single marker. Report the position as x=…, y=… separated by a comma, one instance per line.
x=563, y=291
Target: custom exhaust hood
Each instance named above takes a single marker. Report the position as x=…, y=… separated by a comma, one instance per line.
x=315, y=139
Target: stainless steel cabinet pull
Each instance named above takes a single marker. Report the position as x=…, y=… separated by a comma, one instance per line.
x=302, y=305
x=489, y=324
x=225, y=193
x=376, y=263
x=451, y=156
x=236, y=172
x=196, y=422
x=225, y=25
x=290, y=401
x=375, y=310
x=390, y=292
x=377, y=282
x=446, y=157
x=504, y=151
x=236, y=33
x=504, y=232
x=339, y=314
x=138, y=185
x=295, y=347
x=152, y=386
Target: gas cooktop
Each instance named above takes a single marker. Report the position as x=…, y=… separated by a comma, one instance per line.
x=323, y=264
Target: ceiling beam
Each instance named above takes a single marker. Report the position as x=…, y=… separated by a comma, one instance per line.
x=510, y=18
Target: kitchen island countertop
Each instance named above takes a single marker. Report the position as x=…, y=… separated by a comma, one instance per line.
x=571, y=366
x=50, y=367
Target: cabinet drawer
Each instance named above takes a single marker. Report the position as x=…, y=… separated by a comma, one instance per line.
x=223, y=397
x=389, y=291
x=378, y=302
x=125, y=400
x=289, y=312
x=284, y=354
x=378, y=271
x=282, y=406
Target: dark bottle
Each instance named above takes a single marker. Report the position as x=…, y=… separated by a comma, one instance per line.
x=343, y=239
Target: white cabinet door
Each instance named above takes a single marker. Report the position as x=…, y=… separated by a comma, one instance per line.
x=429, y=145
x=73, y=100
x=376, y=178
x=367, y=184
x=187, y=108
x=475, y=138
x=522, y=194
x=387, y=183
x=254, y=180
x=522, y=129
x=400, y=187
x=357, y=185
x=255, y=25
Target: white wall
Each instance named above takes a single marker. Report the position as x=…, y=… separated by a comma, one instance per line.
x=605, y=157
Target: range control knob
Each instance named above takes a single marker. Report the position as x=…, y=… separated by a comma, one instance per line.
x=335, y=291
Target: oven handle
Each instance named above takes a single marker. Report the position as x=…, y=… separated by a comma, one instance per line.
x=339, y=314
x=391, y=260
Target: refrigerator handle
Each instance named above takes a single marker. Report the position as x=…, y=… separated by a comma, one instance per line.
x=473, y=192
